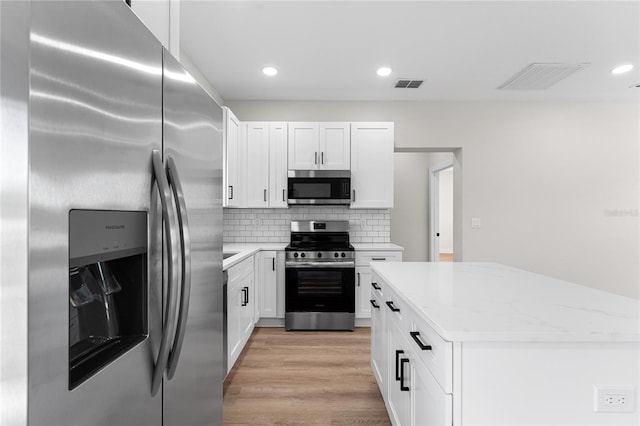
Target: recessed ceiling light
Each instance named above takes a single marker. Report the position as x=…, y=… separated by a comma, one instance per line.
x=269, y=71
x=621, y=69
x=384, y=71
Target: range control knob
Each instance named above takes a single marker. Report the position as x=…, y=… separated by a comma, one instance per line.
x=295, y=254
x=302, y=255
x=335, y=254
x=319, y=254
x=343, y=255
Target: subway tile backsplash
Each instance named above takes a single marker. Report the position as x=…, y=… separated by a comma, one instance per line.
x=274, y=225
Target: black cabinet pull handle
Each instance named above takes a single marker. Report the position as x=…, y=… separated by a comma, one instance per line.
x=376, y=286
x=378, y=258
x=403, y=361
x=245, y=291
x=392, y=306
x=265, y=195
x=283, y=194
x=273, y=263
x=358, y=279
x=374, y=304
x=414, y=336
x=231, y=191
x=398, y=353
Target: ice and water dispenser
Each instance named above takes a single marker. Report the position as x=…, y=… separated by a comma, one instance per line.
x=107, y=288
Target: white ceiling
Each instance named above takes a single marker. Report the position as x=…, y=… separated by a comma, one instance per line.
x=330, y=50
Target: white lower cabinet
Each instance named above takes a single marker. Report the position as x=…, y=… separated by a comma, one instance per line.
x=240, y=308
x=406, y=358
x=430, y=405
x=266, y=283
x=398, y=377
x=363, y=276
x=378, y=340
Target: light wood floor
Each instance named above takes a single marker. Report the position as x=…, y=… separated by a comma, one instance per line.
x=304, y=378
x=446, y=257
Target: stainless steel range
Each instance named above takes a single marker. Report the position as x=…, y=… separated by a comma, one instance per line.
x=320, y=277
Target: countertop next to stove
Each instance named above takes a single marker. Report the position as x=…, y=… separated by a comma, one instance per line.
x=244, y=250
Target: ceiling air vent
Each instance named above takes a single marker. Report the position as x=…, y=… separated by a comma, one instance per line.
x=408, y=84
x=540, y=76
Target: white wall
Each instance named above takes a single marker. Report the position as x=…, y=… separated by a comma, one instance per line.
x=445, y=216
x=556, y=185
x=410, y=215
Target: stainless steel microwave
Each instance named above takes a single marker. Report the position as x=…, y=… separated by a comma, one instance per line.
x=319, y=187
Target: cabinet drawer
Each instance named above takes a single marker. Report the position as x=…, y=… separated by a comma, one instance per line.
x=377, y=286
x=364, y=257
x=241, y=269
x=396, y=311
x=435, y=352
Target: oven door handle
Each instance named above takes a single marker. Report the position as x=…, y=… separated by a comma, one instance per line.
x=330, y=265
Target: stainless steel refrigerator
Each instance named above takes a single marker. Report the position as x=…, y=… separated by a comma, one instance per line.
x=111, y=224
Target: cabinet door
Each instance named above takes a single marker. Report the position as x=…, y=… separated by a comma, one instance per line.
x=278, y=165
x=232, y=160
x=430, y=405
x=303, y=146
x=363, y=292
x=257, y=138
x=335, y=146
x=266, y=283
x=234, y=314
x=399, y=373
x=378, y=343
x=247, y=307
x=372, y=165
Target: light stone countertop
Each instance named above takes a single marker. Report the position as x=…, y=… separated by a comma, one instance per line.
x=492, y=302
x=377, y=246
x=245, y=250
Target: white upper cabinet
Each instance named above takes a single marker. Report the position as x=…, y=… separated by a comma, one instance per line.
x=266, y=164
x=257, y=137
x=232, y=160
x=303, y=146
x=372, y=165
x=335, y=146
x=278, y=165
x=319, y=146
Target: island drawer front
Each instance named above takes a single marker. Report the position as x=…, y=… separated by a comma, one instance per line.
x=364, y=257
x=439, y=358
x=377, y=286
x=396, y=310
x=241, y=269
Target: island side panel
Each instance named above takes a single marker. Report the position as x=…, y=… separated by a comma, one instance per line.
x=543, y=383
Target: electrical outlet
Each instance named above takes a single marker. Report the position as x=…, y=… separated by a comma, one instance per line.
x=614, y=399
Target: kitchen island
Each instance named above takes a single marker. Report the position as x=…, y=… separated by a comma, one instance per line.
x=483, y=343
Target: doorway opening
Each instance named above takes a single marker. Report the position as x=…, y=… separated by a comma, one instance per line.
x=441, y=212
x=412, y=215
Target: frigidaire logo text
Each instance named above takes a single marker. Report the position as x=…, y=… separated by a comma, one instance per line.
x=114, y=226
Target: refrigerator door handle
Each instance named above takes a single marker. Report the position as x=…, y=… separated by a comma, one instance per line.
x=169, y=219
x=185, y=245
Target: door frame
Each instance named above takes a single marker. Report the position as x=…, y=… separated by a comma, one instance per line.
x=434, y=208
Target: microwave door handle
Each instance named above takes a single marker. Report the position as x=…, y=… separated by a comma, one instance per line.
x=185, y=245
x=170, y=229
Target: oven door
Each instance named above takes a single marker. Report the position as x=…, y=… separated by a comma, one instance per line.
x=320, y=289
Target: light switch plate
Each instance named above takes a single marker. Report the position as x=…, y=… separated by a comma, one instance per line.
x=475, y=223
